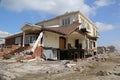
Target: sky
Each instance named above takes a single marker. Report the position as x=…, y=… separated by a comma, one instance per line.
x=105, y=14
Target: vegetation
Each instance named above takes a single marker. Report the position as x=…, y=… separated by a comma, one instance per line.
x=111, y=48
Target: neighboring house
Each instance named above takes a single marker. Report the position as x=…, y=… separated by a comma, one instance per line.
x=2, y=39
x=68, y=36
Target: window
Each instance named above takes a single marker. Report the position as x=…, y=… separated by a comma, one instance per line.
x=18, y=40
x=88, y=26
x=30, y=39
x=66, y=21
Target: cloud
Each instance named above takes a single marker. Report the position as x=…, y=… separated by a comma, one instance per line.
x=49, y=6
x=55, y=6
x=101, y=3
x=104, y=27
x=4, y=34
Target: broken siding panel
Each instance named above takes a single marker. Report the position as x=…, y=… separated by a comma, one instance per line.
x=50, y=54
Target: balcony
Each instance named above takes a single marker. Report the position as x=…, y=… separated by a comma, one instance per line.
x=85, y=30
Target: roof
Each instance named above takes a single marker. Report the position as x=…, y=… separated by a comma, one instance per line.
x=67, y=13
x=14, y=35
x=65, y=30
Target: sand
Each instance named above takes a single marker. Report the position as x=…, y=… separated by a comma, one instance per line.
x=104, y=67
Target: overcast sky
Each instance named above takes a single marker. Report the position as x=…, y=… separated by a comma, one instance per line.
x=104, y=13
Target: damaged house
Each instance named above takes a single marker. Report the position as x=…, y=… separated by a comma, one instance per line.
x=68, y=36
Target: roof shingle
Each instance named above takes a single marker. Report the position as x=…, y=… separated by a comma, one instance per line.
x=65, y=30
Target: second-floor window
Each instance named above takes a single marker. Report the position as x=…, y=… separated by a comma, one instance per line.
x=88, y=26
x=66, y=21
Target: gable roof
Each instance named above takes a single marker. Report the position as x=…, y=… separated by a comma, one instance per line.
x=65, y=30
x=57, y=17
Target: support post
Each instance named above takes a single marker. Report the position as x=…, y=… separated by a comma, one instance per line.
x=23, y=39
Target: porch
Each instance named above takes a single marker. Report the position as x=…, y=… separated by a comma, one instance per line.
x=59, y=43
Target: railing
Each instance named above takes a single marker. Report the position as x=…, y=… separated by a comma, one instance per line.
x=37, y=42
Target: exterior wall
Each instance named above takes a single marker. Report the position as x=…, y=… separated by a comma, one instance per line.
x=72, y=41
x=2, y=40
x=77, y=16
x=53, y=23
x=58, y=20
x=92, y=27
x=51, y=40
x=73, y=18
x=10, y=41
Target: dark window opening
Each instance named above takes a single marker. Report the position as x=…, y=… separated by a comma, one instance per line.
x=94, y=44
x=77, y=43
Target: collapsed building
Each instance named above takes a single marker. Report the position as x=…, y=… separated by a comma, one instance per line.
x=68, y=36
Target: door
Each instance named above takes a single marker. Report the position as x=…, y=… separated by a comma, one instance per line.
x=77, y=43
x=62, y=43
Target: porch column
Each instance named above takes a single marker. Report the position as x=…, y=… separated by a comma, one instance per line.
x=84, y=45
x=43, y=40
x=95, y=47
x=23, y=39
x=88, y=44
x=67, y=42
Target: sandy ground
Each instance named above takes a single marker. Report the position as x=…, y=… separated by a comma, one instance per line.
x=105, y=67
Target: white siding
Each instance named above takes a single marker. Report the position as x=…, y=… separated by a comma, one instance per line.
x=2, y=40
x=51, y=40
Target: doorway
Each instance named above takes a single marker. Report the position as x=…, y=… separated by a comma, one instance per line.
x=62, y=43
x=77, y=43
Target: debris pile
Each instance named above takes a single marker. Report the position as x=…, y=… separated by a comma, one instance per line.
x=10, y=71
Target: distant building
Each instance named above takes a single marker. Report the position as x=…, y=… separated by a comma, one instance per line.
x=2, y=39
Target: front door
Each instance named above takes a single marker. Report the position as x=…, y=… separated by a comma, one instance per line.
x=62, y=43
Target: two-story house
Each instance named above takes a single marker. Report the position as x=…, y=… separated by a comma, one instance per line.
x=68, y=36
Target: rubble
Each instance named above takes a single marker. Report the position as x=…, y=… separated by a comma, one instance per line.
x=103, y=73
x=13, y=70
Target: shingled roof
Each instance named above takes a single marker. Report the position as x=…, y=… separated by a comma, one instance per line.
x=65, y=30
